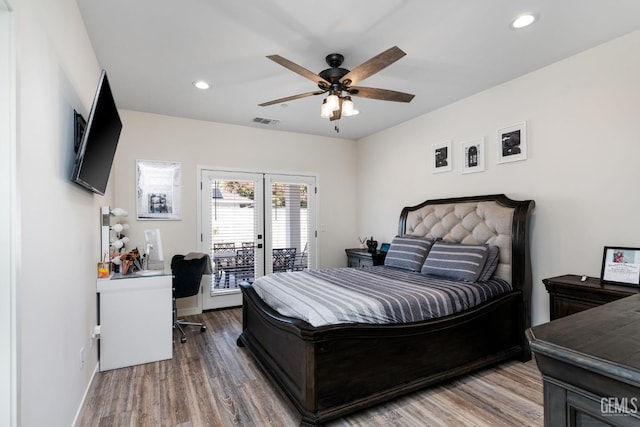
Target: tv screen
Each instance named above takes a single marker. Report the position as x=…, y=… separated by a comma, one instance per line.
x=99, y=140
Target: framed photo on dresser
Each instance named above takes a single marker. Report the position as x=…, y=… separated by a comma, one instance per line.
x=621, y=266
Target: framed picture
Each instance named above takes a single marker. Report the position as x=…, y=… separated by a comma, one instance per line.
x=621, y=266
x=441, y=157
x=158, y=190
x=512, y=143
x=472, y=156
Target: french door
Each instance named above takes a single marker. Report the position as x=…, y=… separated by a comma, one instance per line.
x=254, y=224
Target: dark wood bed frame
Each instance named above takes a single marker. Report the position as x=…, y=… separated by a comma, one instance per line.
x=330, y=371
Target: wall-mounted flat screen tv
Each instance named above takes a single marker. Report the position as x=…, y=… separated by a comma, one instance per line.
x=96, y=144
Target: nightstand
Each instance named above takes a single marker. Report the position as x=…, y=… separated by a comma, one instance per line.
x=568, y=294
x=362, y=258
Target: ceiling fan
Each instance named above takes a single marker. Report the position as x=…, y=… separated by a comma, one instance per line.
x=338, y=82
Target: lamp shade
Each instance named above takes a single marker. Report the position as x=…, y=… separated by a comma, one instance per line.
x=333, y=102
x=347, y=107
x=325, y=111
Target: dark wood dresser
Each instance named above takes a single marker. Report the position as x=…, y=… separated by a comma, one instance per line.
x=590, y=365
x=568, y=294
x=357, y=258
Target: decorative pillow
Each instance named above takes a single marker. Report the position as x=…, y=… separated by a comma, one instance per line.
x=456, y=261
x=408, y=252
x=493, y=258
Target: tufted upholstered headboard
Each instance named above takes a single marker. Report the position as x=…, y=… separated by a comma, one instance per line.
x=494, y=219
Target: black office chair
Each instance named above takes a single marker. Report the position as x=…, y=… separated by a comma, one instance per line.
x=187, y=275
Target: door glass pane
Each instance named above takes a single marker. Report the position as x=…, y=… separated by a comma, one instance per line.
x=233, y=231
x=290, y=231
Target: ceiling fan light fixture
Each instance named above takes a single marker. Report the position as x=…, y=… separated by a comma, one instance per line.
x=347, y=107
x=333, y=102
x=325, y=111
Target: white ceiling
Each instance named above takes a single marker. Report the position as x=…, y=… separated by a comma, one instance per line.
x=153, y=50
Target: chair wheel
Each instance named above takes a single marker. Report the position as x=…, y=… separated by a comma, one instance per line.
x=183, y=340
x=203, y=329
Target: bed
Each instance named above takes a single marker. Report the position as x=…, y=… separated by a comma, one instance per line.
x=336, y=369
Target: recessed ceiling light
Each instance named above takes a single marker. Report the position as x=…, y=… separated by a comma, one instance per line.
x=201, y=84
x=523, y=21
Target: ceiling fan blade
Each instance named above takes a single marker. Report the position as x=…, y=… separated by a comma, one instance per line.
x=382, y=94
x=291, y=98
x=373, y=65
x=300, y=70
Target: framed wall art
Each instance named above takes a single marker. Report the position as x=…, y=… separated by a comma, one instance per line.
x=620, y=265
x=158, y=190
x=441, y=158
x=472, y=156
x=512, y=143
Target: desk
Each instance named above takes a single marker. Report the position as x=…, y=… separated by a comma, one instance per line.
x=136, y=320
x=590, y=365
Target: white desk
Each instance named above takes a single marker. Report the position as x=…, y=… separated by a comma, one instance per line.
x=136, y=320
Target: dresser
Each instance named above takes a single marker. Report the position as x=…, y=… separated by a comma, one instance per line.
x=590, y=365
x=569, y=294
x=357, y=258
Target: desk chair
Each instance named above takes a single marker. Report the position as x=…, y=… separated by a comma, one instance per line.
x=187, y=275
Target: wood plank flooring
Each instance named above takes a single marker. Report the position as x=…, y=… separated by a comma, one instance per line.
x=212, y=382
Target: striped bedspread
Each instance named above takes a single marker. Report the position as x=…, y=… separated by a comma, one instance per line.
x=372, y=295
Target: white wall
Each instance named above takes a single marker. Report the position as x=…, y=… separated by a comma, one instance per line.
x=193, y=143
x=582, y=168
x=58, y=245
x=7, y=224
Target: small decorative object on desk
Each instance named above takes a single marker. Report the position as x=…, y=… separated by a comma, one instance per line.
x=130, y=262
x=372, y=245
x=362, y=241
x=103, y=269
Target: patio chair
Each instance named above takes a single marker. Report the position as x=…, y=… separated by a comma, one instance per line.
x=283, y=259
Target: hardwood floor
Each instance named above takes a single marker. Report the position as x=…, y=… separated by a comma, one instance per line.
x=212, y=382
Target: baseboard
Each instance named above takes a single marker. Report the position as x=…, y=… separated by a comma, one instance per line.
x=189, y=311
x=84, y=396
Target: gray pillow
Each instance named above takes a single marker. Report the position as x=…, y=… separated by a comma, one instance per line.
x=456, y=261
x=408, y=252
x=490, y=266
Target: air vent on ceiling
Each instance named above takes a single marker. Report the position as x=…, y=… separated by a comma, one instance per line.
x=264, y=121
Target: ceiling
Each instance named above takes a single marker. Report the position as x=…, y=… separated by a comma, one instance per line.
x=153, y=51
